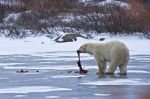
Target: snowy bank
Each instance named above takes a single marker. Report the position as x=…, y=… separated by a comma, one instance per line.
x=32, y=45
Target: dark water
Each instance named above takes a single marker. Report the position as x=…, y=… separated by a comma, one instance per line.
x=47, y=72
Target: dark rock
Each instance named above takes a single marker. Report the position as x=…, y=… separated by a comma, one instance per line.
x=102, y=39
x=22, y=71
x=76, y=72
x=37, y=71
x=68, y=38
x=42, y=42
x=69, y=71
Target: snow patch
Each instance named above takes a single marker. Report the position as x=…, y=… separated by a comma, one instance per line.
x=85, y=0
x=52, y=97
x=114, y=2
x=7, y=64
x=39, y=45
x=19, y=96
x=138, y=71
x=101, y=94
x=12, y=17
x=32, y=89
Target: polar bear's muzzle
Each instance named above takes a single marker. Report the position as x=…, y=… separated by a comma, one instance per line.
x=78, y=51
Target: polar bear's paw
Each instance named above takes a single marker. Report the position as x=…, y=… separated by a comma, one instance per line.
x=122, y=73
x=99, y=73
x=109, y=73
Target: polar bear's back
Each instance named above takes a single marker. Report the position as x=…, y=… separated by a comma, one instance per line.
x=115, y=44
x=110, y=45
x=118, y=48
x=111, y=49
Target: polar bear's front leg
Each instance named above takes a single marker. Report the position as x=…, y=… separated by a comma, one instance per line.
x=101, y=65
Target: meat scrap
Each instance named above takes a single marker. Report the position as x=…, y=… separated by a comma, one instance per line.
x=22, y=71
x=81, y=70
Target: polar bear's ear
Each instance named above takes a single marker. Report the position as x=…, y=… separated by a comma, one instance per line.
x=85, y=47
x=82, y=49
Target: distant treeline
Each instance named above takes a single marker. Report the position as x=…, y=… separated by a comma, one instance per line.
x=40, y=15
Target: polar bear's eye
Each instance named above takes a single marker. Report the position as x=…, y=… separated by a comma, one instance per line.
x=84, y=47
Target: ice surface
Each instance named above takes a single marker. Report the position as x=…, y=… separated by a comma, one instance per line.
x=32, y=89
x=62, y=67
x=67, y=76
x=54, y=61
x=118, y=82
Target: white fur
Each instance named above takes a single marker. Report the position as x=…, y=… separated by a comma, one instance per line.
x=114, y=52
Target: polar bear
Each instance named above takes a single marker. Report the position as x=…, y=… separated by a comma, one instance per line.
x=114, y=52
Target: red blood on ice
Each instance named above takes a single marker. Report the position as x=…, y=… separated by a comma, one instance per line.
x=81, y=70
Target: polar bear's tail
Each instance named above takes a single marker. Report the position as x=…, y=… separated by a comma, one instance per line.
x=127, y=56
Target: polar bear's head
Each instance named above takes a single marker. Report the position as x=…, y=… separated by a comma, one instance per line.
x=86, y=48
x=82, y=49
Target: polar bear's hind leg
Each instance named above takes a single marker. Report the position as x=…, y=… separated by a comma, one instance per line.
x=111, y=68
x=113, y=64
x=123, y=69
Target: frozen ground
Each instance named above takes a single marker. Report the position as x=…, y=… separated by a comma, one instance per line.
x=51, y=71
